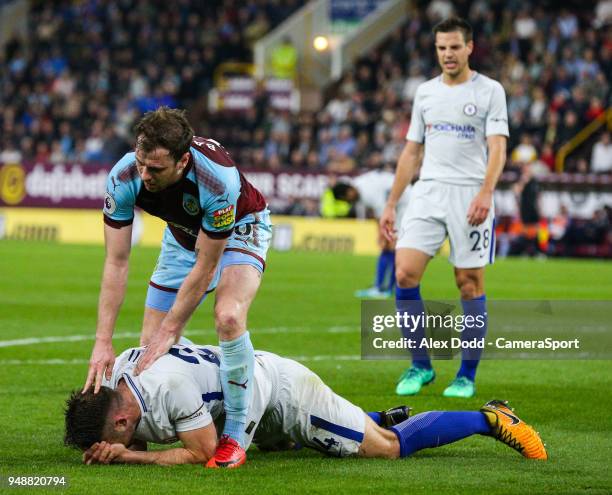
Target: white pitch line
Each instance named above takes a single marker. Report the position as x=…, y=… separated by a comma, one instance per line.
x=62, y=338
x=133, y=335
x=23, y=362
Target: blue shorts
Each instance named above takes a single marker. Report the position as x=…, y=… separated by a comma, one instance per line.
x=248, y=245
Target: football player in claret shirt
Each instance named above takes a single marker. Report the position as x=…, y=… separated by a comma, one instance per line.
x=217, y=236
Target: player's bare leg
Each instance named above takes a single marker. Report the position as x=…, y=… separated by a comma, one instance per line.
x=235, y=293
x=378, y=442
x=410, y=265
x=470, y=282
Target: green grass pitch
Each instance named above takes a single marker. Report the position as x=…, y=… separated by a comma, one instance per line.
x=305, y=309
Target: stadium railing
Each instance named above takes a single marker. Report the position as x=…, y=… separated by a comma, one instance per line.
x=581, y=137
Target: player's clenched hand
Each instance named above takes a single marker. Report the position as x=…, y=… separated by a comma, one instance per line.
x=387, y=223
x=101, y=362
x=104, y=453
x=160, y=345
x=479, y=208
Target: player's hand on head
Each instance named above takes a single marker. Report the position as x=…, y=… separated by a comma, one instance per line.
x=479, y=208
x=160, y=345
x=94, y=454
x=387, y=223
x=103, y=453
x=100, y=364
x=88, y=454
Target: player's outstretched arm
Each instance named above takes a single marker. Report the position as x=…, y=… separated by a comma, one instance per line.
x=208, y=254
x=198, y=446
x=112, y=292
x=407, y=165
x=482, y=202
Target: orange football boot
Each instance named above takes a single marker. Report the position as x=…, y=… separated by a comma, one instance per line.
x=507, y=427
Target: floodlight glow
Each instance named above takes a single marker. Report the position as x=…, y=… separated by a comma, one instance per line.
x=320, y=43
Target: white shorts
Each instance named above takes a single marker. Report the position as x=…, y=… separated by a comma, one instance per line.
x=437, y=209
x=308, y=412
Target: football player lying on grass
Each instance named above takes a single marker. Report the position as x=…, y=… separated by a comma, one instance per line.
x=179, y=398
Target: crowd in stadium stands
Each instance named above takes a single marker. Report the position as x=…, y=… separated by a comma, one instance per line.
x=555, y=65
x=76, y=90
x=91, y=68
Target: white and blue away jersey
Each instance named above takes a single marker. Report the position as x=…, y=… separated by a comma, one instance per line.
x=453, y=123
x=181, y=391
x=212, y=195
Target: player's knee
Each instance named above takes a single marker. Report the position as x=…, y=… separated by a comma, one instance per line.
x=468, y=286
x=379, y=442
x=406, y=276
x=381, y=448
x=227, y=321
x=393, y=448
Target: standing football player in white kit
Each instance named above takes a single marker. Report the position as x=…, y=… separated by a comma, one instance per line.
x=374, y=187
x=460, y=119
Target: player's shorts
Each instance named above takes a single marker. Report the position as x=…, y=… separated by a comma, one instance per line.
x=248, y=245
x=308, y=412
x=437, y=209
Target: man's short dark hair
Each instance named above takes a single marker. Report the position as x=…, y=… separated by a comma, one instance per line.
x=166, y=128
x=85, y=416
x=453, y=24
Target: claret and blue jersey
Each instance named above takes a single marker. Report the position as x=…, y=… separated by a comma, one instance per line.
x=212, y=195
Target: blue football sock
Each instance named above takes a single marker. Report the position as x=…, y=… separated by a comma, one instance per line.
x=376, y=417
x=470, y=358
x=409, y=301
x=236, y=370
x=391, y=285
x=436, y=428
x=386, y=263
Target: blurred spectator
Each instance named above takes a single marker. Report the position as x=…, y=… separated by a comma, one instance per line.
x=344, y=145
x=548, y=157
x=439, y=9
x=568, y=24
x=9, y=152
x=569, y=129
x=595, y=109
x=94, y=143
x=284, y=60
x=527, y=193
x=538, y=108
x=525, y=152
x=415, y=78
x=557, y=230
x=57, y=155
x=601, y=158
x=603, y=13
